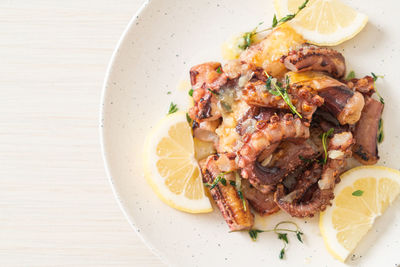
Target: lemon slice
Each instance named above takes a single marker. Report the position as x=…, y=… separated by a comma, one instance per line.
x=170, y=166
x=363, y=195
x=323, y=22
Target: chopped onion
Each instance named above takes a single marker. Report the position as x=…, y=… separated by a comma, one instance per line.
x=245, y=78
x=334, y=154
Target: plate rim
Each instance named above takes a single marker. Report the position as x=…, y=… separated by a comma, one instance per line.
x=110, y=179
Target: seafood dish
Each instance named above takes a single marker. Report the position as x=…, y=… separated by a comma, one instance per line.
x=283, y=119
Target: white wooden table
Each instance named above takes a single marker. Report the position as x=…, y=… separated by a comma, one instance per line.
x=56, y=205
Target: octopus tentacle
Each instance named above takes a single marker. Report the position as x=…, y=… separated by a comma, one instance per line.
x=205, y=77
x=339, y=149
x=364, y=85
x=366, y=148
x=284, y=161
x=225, y=196
x=263, y=203
x=310, y=57
x=342, y=102
x=279, y=127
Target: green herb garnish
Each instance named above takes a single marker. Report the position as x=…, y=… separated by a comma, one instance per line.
x=380, y=131
x=169, y=92
x=298, y=235
x=213, y=91
x=172, y=108
x=324, y=139
x=219, y=179
x=305, y=160
x=274, y=21
x=232, y=183
x=375, y=77
x=219, y=70
x=191, y=92
x=240, y=194
x=280, y=232
x=247, y=37
x=358, y=193
x=351, y=75
x=288, y=17
x=189, y=120
x=254, y=233
x=283, y=237
x=274, y=87
x=226, y=106
x=282, y=253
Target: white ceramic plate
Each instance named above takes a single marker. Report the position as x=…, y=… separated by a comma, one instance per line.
x=154, y=56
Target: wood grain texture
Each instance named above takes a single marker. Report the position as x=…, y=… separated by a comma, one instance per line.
x=56, y=205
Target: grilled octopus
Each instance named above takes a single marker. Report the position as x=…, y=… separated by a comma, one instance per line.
x=278, y=155
x=206, y=78
x=342, y=102
x=310, y=57
x=235, y=212
x=339, y=149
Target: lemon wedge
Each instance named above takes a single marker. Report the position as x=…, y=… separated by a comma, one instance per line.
x=323, y=22
x=170, y=166
x=363, y=194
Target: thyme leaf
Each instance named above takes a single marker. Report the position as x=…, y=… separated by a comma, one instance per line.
x=240, y=194
x=298, y=234
x=219, y=70
x=191, y=92
x=172, y=108
x=189, y=120
x=324, y=139
x=305, y=160
x=358, y=193
x=213, y=91
x=351, y=75
x=283, y=237
x=274, y=21
x=219, y=179
x=254, y=233
x=226, y=106
x=380, y=135
x=282, y=253
x=247, y=38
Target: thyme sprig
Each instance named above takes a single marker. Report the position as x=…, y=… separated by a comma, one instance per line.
x=282, y=234
x=247, y=37
x=221, y=179
x=324, y=138
x=275, y=88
